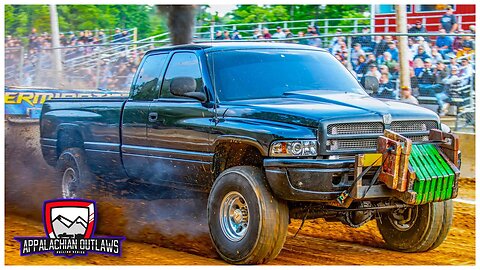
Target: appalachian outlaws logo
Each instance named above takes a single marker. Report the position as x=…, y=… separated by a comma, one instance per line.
x=69, y=225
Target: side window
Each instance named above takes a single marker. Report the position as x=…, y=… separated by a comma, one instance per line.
x=182, y=65
x=145, y=87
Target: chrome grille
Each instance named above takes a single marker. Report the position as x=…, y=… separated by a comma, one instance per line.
x=413, y=126
x=355, y=128
x=357, y=144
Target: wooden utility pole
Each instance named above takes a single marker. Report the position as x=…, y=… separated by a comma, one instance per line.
x=57, y=57
x=401, y=12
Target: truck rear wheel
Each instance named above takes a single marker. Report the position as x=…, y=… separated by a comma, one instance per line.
x=76, y=179
x=416, y=229
x=247, y=224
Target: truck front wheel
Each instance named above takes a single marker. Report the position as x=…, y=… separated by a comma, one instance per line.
x=247, y=224
x=76, y=179
x=418, y=228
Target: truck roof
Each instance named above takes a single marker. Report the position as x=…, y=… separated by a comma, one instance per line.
x=219, y=46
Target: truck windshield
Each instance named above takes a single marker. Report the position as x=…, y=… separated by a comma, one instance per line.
x=268, y=73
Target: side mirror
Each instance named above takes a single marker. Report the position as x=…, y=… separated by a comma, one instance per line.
x=186, y=87
x=370, y=83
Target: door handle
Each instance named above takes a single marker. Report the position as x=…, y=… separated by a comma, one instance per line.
x=153, y=117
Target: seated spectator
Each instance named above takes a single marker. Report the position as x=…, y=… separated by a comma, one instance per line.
x=406, y=96
x=315, y=41
x=418, y=66
x=361, y=67
x=392, y=49
x=444, y=43
x=413, y=82
x=226, y=35
x=420, y=41
x=453, y=89
x=467, y=46
x=365, y=40
x=422, y=54
x=465, y=71
x=452, y=62
x=385, y=88
x=436, y=56
x=379, y=46
x=371, y=59
x=384, y=69
x=440, y=72
x=373, y=71
x=356, y=52
x=426, y=79
x=388, y=61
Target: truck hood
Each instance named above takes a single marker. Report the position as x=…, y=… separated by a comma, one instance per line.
x=308, y=108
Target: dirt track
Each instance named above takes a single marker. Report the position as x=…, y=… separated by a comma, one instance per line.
x=172, y=229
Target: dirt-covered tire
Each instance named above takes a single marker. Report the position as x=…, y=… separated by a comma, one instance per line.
x=447, y=223
x=415, y=231
x=75, y=177
x=247, y=224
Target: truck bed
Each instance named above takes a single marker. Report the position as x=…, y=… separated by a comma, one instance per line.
x=93, y=122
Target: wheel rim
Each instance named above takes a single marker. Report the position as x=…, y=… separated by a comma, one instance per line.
x=69, y=183
x=403, y=219
x=234, y=216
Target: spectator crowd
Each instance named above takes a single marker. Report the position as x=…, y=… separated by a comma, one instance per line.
x=440, y=68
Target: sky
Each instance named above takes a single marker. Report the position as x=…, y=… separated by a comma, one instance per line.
x=221, y=9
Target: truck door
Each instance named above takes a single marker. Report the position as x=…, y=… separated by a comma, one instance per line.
x=179, y=136
x=135, y=116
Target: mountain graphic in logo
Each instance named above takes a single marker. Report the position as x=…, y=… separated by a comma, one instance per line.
x=65, y=228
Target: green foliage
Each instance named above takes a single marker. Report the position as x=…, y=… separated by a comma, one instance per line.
x=19, y=19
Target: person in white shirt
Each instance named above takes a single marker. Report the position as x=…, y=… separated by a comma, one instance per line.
x=279, y=34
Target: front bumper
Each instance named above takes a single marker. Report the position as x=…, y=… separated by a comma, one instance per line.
x=309, y=179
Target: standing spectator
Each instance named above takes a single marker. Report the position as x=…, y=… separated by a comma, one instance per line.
x=418, y=29
x=373, y=71
x=226, y=35
x=63, y=40
x=124, y=37
x=406, y=96
x=315, y=41
x=302, y=41
x=288, y=33
x=379, y=46
x=32, y=39
x=392, y=49
x=117, y=36
x=448, y=21
x=266, y=33
x=256, y=33
x=279, y=34
x=72, y=39
x=101, y=36
x=219, y=35
x=236, y=35
x=444, y=43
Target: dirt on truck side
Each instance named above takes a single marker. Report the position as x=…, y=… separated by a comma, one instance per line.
x=172, y=229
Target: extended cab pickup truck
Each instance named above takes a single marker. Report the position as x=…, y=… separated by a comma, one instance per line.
x=272, y=132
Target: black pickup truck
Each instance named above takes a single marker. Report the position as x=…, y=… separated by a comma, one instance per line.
x=271, y=131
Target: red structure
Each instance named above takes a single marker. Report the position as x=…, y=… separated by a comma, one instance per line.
x=429, y=15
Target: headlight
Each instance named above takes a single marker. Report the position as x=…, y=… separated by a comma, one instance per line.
x=294, y=148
